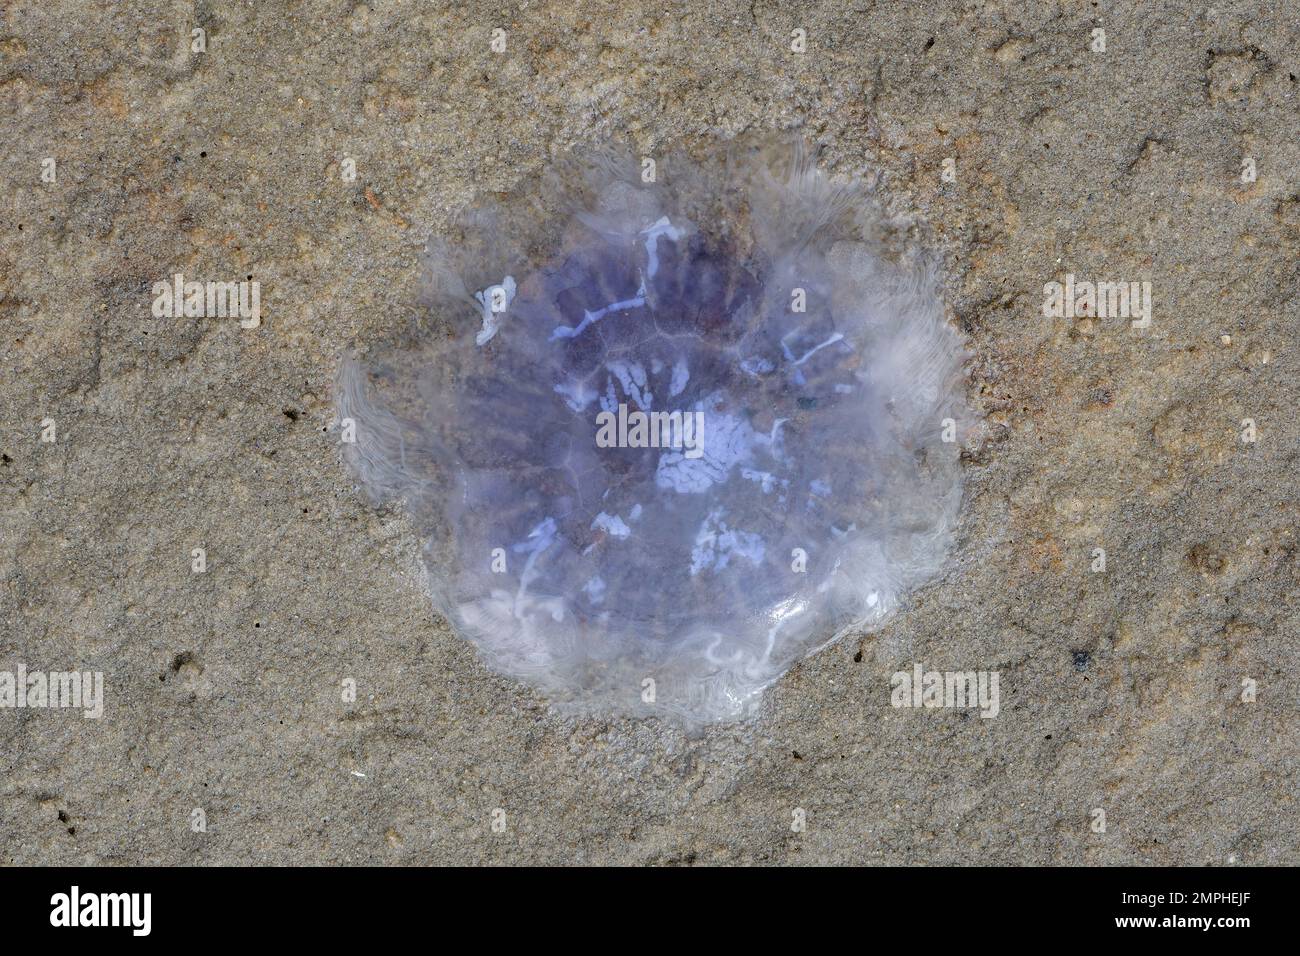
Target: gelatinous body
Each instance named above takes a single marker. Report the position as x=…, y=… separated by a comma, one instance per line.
x=665, y=438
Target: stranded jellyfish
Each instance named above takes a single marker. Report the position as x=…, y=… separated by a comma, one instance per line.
x=665, y=428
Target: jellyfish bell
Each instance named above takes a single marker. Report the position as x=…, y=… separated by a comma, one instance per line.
x=665, y=438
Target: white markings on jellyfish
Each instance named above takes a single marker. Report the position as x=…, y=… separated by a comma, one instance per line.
x=577, y=395
x=612, y=525
x=539, y=540
x=732, y=442
x=765, y=480
x=817, y=489
x=812, y=351
x=661, y=228
x=595, y=589
x=631, y=375
x=589, y=317
x=784, y=613
x=716, y=544
x=609, y=400
x=797, y=377
x=681, y=375
x=494, y=300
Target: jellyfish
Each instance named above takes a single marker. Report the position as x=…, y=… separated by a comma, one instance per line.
x=665, y=428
